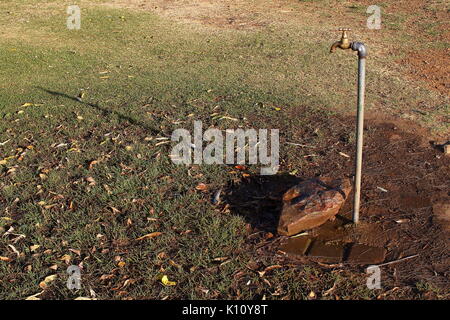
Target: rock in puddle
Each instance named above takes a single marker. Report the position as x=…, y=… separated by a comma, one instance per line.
x=331, y=253
x=311, y=203
x=335, y=252
x=296, y=246
x=363, y=254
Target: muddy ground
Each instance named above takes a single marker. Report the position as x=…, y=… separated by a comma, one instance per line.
x=405, y=197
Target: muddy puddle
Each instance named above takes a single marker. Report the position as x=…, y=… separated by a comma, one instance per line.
x=333, y=242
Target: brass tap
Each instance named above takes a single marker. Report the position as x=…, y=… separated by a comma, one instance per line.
x=344, y=43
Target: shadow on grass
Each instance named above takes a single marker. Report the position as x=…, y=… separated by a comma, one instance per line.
x=105, y=112
x=258, y=199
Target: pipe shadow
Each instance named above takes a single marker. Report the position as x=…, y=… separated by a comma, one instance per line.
x=105, y=112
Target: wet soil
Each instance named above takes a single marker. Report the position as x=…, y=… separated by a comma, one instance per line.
x=404, y=178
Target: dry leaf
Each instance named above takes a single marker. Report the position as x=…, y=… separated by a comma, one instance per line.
x=149, y=236
x=92, y=164
x=114, y=210
x=34, y=247
x=220, y=259
x=49, y=279
x=77, y=252
x=162, y=255
x=66, y=258
x=106, y=277
x=91, y=181
x=201, y=187
x=34, y=296
x=165, y=281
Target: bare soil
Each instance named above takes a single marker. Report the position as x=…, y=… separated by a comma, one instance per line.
x=432, y=66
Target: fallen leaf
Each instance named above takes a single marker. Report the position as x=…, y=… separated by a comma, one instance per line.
x=92, y=164
x=91, y=181
x=34, y=296
x=77, y=252
x=106, y=277
x=149, y=236
x=201, y=187
x=66, y=258
x=49, y=279
x=162, y=255
x=114, y=210
x=34, y=247
x=165, y=281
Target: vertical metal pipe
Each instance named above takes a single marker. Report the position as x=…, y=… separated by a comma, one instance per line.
x=362, y=54
x=359, y=135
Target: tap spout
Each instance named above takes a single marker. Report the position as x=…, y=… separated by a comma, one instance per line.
x=334, y=46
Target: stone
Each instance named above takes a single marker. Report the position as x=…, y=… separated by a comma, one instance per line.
x=363, y=254
x=311, y=203
x=296, y=246
x=447, y=149
x=332, y=253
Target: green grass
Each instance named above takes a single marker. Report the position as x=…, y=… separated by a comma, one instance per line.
x=158, y=74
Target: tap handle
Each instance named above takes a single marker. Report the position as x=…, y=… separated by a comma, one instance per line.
x=344, y=37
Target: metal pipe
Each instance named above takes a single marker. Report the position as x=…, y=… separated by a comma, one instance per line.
x=344, y=43
x=362, y=53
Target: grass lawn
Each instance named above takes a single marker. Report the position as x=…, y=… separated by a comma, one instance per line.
x=82, y=179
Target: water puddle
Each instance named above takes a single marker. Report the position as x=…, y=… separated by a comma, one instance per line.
x=331, y=243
